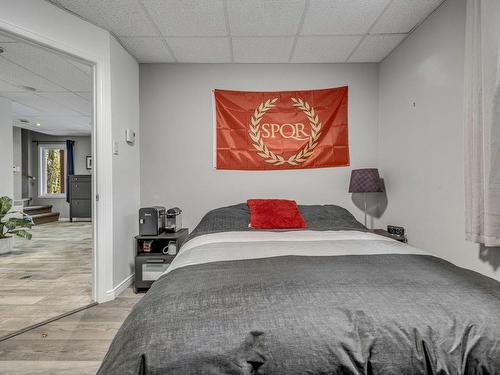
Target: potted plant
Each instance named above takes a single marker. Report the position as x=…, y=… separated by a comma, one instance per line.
x=12, y=223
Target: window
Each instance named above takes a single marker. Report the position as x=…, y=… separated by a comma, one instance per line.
x=52, y=170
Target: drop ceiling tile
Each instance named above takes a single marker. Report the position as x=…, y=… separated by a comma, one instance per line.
x=30, y=126
x=69, y=100
x=85, y=68
x=375, y=48
x=41, y=104
x=264, y=18
x=19, y=109
x=78, y=121
x=49, y=65
x=6, y=38
x=87, y=95
x=403, y=15
x=18, y=76
x=201, y=50
x=188, y=17
x=148, y=50
x=54, y=132
x=82, y=121
x=7, y=87
x=262, y=50
x=122, y=17
x=341, y=17
x=56, y=125
x=58, y=110
x=324, y=49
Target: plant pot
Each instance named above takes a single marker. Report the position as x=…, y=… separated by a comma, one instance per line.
x=5, y=245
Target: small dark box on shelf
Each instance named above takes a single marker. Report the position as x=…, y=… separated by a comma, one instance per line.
x=149, y=267
x=396, y=231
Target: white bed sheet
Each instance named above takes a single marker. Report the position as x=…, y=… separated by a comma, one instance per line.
x=228, y=246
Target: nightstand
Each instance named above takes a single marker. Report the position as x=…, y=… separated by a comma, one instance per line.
x=383, y=232
x=152, y=257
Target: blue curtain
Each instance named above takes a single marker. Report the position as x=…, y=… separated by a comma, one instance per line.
x=70, y=164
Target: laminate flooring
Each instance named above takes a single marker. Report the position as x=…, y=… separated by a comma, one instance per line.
x=46, y=276
x=74, y=345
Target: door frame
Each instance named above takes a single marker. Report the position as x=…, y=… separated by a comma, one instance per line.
x=102, y=209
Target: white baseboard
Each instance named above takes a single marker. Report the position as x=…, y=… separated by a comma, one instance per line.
x=117, y=290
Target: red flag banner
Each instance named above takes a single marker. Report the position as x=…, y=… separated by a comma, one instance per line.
x=281, y=130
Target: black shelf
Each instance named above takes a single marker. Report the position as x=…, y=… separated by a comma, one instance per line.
x=155, y=257
x=160, y=241
x=173, y=236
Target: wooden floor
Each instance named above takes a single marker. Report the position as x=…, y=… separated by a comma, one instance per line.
x=47, y=276
x=72, y=345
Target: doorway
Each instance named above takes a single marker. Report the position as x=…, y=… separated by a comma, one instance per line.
x=47, y=113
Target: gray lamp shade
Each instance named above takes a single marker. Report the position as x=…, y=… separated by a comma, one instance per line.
x=365, y=181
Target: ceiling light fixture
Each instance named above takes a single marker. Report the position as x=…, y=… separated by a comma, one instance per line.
x=38, y=124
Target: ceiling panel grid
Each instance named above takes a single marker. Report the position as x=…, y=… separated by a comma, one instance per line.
x=205, y=31
x=50, y=92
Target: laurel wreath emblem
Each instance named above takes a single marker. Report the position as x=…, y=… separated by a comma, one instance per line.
x=270, y=157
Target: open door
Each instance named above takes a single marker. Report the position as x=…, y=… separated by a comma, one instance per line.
x=46, y=114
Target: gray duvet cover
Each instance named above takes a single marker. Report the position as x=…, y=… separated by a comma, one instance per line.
x=354, y=314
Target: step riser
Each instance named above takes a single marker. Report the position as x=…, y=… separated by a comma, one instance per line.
x=46, y=219
x=38, y=211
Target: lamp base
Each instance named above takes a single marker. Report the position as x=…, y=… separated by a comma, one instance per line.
x=364, y=195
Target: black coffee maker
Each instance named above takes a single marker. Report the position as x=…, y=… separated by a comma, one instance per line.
x=173, y=220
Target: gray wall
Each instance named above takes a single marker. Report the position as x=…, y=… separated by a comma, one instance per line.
x=177, y=135
x=421, y=147
x=126, y=165
x=82, y=148
x=6, y=156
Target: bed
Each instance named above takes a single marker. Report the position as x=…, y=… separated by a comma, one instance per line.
x=332, y=299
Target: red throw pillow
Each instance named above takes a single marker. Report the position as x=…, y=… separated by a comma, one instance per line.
x=275, y=214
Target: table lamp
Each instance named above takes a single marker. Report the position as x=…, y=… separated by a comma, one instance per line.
x=365, y=180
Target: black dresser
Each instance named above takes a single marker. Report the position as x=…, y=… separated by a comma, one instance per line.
x=80, y=196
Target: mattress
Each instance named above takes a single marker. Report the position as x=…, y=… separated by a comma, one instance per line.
x=327, y=301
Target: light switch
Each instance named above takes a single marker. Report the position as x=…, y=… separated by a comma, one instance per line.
x=115, y=147
x=130, y=136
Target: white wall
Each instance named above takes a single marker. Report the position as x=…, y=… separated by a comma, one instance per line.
x=421, y=145
x=126, y=165
x=17, y=162
x=177, y=135
x=6, y=155
x=44, y=23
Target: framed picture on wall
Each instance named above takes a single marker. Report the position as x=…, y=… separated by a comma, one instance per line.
x=88, y=162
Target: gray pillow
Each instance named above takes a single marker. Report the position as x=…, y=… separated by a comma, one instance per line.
x=237, y=217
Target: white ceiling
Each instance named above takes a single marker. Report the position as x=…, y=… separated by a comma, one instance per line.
x=61, y=102
x=271, y=31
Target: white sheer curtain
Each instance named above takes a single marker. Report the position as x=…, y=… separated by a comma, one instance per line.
x=482, y=122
